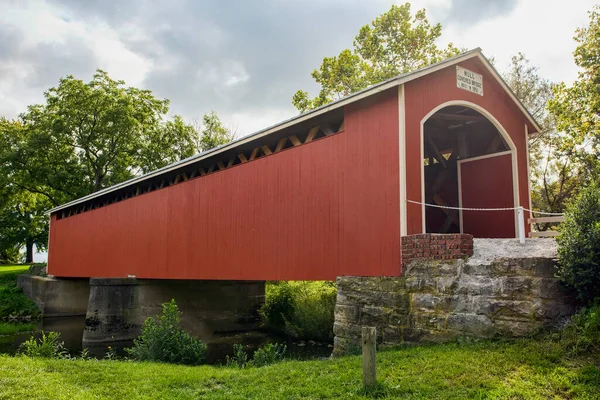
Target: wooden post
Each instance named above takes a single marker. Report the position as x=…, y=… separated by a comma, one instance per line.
x=369, y=336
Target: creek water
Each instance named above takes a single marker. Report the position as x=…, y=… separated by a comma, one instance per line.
x=218, y=347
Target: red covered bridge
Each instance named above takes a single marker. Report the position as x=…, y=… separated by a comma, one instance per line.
x=324, y=194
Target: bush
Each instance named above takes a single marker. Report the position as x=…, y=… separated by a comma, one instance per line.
x=583, y=333
x=239, y=358
x=579, y=246
x=269, y=354
x=48, y=346
x=12, y=300
x=279, y=305
x=303, y=310
x=163, y=340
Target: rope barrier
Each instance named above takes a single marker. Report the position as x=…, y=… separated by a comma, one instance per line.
x=480, y=209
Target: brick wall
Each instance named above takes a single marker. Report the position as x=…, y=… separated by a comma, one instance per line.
x=436, y=247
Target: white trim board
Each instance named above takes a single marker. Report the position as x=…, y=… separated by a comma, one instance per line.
x=402, y=160
x=497, y=125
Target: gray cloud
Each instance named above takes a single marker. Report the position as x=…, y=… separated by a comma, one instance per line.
x=232, y=57
x=470, y=12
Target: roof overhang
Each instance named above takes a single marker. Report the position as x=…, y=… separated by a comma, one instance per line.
x=370, y=91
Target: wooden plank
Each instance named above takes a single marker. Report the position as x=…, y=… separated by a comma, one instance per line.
x=230, y=163
x=543, y=234
x=280, y=145
x=327, y=129
x=211, y=169
x=220, y=165
x=242, y=158
x=545, y=220
x=254, y=154
x=266, y=150
x=295, y=141
x=311, y=134
x=202, y=172
x=341, y=128
x=369, y=361
x=436, y=153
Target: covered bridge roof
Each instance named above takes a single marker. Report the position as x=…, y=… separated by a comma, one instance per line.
x=273, y=129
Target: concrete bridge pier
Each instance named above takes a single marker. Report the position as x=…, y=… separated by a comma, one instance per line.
x=117, y=308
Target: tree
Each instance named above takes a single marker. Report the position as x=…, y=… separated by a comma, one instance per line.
x=171, y=141
x=211, y=133
x=88, y=136
x=576, y=108
x=23, y=222
x=555, y=176
x=394, y=43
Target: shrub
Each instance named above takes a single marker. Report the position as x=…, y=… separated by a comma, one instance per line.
x=279, y=305
x=163, y=340
x=579, y=246
x=300, y=309
x=239, y=358
x=269, y=354
x=583, y=332
x=12, y=300
x=49, y=346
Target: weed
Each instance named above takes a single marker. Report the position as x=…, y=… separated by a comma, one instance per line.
x=48, y=346
x=163, y=340
x=269, y=354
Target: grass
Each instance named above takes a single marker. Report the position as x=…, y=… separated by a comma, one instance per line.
x=7, y=328
x=12, y=299
x=521, y=369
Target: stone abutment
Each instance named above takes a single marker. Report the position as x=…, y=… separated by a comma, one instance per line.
x=454, y=287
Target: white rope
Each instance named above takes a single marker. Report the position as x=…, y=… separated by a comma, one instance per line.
x=480, y=209
x=463, y=208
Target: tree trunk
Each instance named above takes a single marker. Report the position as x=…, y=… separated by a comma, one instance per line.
x=29, y=252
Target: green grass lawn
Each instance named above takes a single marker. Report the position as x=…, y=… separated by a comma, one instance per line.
x=522, y=369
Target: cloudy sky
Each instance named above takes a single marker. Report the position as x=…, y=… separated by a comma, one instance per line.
x=245, y=59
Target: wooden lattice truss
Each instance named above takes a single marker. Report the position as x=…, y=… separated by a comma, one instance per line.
x=214, y=164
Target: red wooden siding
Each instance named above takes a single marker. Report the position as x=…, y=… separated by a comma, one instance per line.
x=324, y=209
x=425, y=94
x=487, y=183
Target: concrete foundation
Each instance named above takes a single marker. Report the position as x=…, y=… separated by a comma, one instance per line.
x=56, y=297
x=117, y=308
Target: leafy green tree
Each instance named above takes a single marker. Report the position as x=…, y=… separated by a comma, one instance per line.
x=88, y=136
x=171, y=141
x=396, y=42
x=23, y=223
x=212, y=133
x=85, y=137
x=576, y=108
x=555, y=176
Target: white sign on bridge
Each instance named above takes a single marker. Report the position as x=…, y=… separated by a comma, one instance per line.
x=469, y=81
